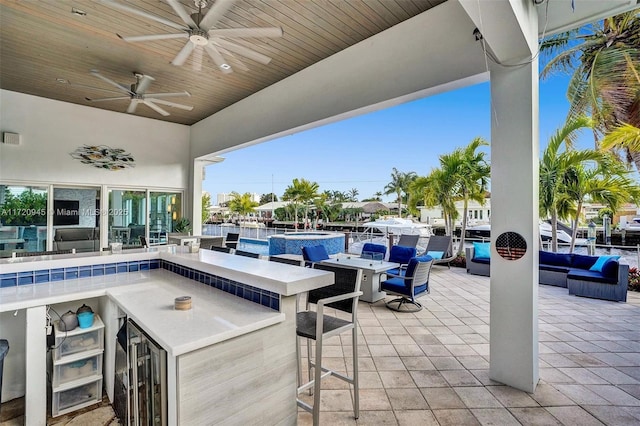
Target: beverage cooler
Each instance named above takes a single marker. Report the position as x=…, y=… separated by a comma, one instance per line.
x=140, y=387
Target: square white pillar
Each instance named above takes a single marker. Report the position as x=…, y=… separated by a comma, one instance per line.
x=514, y=201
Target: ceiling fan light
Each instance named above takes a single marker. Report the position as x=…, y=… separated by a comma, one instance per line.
x=198, y=37
x=225, y=66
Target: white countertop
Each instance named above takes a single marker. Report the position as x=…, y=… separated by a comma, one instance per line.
x=215, y=316
x=287, y=280
x=148, y=296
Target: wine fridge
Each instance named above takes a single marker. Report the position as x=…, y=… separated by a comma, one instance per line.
x=140, y=388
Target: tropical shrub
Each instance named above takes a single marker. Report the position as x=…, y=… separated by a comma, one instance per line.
x=634, y=279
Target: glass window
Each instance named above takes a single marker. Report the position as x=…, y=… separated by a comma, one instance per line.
x=127, y=216
x=23, y=219
x=76, y=219
x=165, y=211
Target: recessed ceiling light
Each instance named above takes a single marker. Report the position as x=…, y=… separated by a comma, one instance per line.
x=61, y=80
x=78, y=12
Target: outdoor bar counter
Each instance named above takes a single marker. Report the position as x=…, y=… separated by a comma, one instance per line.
x=233, y=355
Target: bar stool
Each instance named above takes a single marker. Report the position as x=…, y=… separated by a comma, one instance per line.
x=315, y=325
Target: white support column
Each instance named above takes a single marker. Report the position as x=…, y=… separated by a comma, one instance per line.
x=35, y=401
x=514, y=202
x=196, y=194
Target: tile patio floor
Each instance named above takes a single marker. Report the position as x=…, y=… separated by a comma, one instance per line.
x=432, y=367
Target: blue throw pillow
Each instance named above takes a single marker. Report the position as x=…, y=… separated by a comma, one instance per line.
x=597, y=267
x=435, y=254
x=481, y=250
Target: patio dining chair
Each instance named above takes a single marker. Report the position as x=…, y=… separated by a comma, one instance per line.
x=313, y=254
x=414, y=282
x=371, y=248
x=401, y=255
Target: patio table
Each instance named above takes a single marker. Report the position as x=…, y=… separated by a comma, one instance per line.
x=372, y=271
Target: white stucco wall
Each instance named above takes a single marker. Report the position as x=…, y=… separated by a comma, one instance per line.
x=51, y=130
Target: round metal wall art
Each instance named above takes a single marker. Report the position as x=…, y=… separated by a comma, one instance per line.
x=511, y=246
x=103, y=157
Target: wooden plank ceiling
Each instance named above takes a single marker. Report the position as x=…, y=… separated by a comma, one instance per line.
x=43, y=43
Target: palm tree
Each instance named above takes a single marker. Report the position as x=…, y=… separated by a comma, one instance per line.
x=353, y=194
x=624, y=136
x=206, y=204
x=553, y=167
x=608, y=183
x=472, y=172
x=603, y=59
x=242, y=204
x=301, y=191
x=399, y=185
x=436, y=190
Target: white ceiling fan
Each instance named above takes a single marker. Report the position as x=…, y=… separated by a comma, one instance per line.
x=137, y=93
x=201, y=35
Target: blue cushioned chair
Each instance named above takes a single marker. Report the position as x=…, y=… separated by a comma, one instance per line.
x=313, y=254
x=374, y=248
x=414, y=282
x=401, y=255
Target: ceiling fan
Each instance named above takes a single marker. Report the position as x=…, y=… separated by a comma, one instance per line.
x=201, y=35
x=137, y=93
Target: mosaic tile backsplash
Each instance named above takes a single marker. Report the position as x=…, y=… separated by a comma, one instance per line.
x=245, y=291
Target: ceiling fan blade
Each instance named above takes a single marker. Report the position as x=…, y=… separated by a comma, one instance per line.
x=155, y=107
x=143, y=14
x=217, y=58
x=132, y=106
x=152, y=37
x=179, y=9
x=271, y=32
x=196, y=59
x=119, y=98
x=166, y=95
x=217, y=11
x=182, y=56
x=244, y=51
x=173, y=104
x=91, y=87
x=143, y=83
x=113, y=83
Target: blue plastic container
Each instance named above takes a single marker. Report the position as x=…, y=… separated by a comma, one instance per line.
x=85, y=319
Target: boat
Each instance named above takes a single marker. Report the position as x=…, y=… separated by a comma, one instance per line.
x=378, y=232
x=484, y=231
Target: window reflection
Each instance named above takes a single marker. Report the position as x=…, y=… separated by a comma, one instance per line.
x=23, y=219
x=166, y=210
x=127, y=216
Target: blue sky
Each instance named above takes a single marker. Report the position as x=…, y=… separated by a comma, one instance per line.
x=360, y=152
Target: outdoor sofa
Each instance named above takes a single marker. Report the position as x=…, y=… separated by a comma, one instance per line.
x=600, y=277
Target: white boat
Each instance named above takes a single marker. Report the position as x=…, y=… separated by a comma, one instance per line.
x=378, y=231
x=484, y=231
x=251, y=224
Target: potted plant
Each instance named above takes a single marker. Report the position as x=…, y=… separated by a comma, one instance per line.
x=182, y=225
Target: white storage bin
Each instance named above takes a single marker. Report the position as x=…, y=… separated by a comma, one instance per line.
x=79, y=366
x=76, y=395
x=79, y=339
